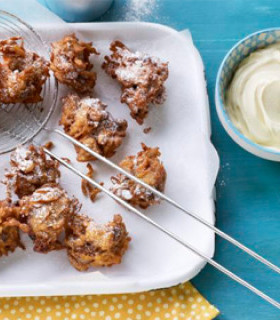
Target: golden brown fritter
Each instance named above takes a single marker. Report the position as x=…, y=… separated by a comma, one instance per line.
x=145, y=166
x=22, y=73
x=141, y=76
x=70, y=63
x=30, y=169
x=45, y=212
x=87, y=120
x=9, y=228
x=91, y=244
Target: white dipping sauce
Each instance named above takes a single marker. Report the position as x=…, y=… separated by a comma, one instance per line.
x=253, y=97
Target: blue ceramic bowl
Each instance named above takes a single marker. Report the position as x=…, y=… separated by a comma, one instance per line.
x=78, y=10
x=241, y=50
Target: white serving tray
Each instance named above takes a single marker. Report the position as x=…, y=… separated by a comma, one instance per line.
x=181, y=128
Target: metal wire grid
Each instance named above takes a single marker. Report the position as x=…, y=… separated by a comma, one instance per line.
x=20, y=123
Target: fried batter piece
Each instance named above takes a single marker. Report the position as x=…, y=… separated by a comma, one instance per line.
x=9, y=228
x=45, y=212
x=22, y=73
x=91, y=244
x=86, y=120
x=70, y=63
x=30, y=169
x=141, y=76
x=88, y=189
x=145, y=166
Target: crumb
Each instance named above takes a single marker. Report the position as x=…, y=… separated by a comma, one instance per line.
x=147, y=130
x=49, y=145
x=88, y=189
x=66, y=159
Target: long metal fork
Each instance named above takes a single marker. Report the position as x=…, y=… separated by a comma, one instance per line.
x=164, y=230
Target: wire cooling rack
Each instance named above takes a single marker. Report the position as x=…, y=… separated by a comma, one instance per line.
x=20, y=123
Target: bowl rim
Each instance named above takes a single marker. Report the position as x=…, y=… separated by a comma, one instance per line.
x=220, y=105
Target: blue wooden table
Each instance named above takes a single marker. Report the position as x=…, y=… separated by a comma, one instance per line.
x=248, y=188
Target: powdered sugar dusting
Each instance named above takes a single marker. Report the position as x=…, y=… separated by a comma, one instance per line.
x=92, y=103
x=139, y=9
x=132, y=73
x=135, y=66
x=47, y=194
x=21, y=155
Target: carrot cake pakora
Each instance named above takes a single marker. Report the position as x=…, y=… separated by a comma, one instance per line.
x=22, y=73
x=30, y=169
x=9, y=228
x=87, y=120
x=91, y=244
x=71, y=65
x=145, y=166
x=141, y=76
x=45, y=212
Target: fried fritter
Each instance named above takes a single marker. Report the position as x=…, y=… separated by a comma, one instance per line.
x=141, y=76
x=70, y=63
x=9, y=228
x=91, y=244
x=145, y=166
x=46, y=212
x=30, y=169
x=22, y=73
x=87, y=120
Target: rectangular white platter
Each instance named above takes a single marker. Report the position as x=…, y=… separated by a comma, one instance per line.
x=181, y=129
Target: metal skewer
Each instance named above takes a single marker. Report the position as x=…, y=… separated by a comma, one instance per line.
x=172, y=202
x=211, y=261
x=169, y=233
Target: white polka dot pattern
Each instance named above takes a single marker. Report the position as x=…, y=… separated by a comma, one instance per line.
x=180, y=302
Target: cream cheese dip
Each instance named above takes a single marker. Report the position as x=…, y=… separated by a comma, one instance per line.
x=253, y=97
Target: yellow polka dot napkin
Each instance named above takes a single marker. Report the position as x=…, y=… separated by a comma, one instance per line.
x=180, y=302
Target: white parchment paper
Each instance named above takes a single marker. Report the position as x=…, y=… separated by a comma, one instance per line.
x=181, y=129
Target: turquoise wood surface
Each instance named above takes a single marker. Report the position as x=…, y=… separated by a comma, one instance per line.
x=248, y=188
